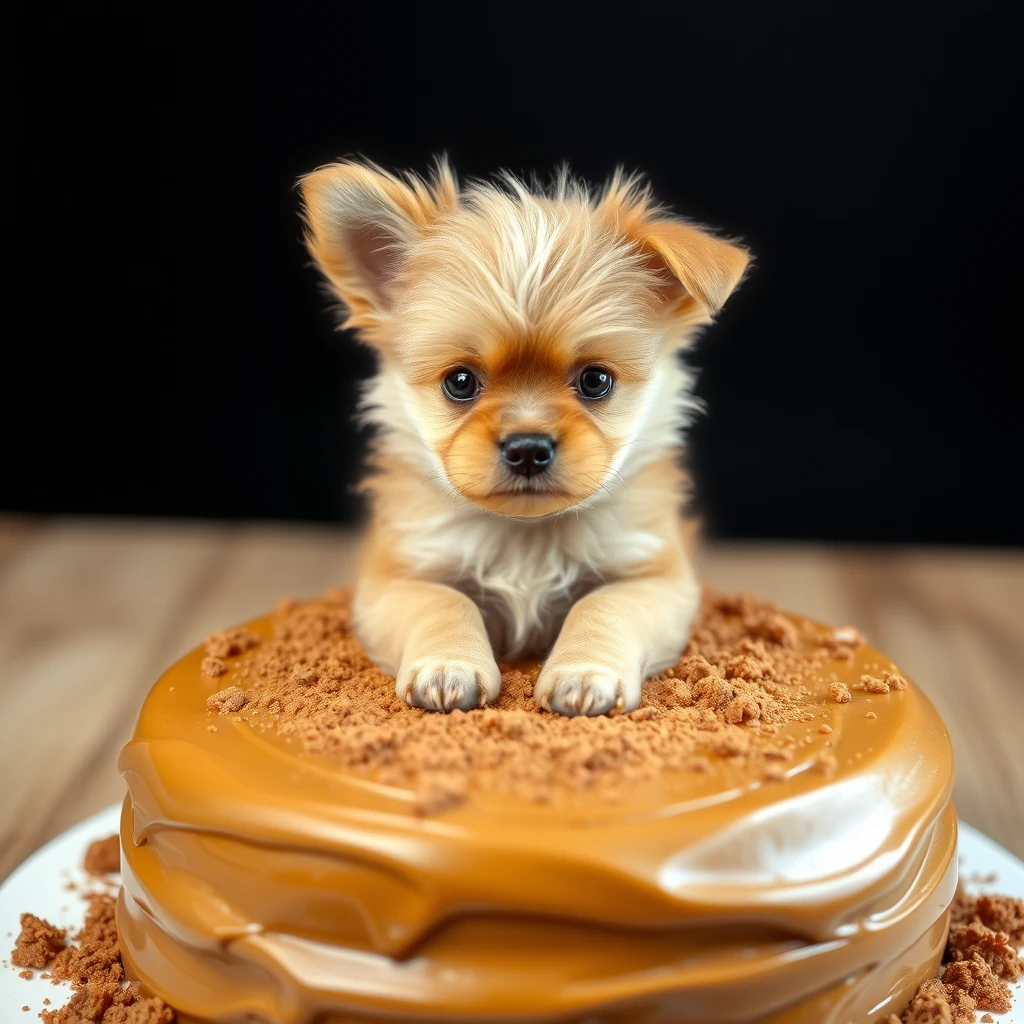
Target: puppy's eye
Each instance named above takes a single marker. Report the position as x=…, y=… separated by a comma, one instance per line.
x=594, y=383
x=461, y=385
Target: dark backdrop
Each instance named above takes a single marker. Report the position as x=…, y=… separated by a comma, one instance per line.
x=167, y=349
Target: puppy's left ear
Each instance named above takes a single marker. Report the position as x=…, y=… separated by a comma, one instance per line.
x=696, y=272
x=698, y=269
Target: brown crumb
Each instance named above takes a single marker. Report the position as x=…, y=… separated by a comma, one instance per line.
x=305, y=676
x=141, y=1011
x=644, y=714
x=980, y=982
x=827, y=763
x=37, y=943
x=213, y=667
x=825, y=729
x=227, y=702
x=93, y=967
x=841, y=693
x=771, y=626
x=96, y=958
x=967, y=941
x=744, y=676
x=872, y=684
x=987, y=1019
x=742, y=708
x=109, y=1004
x=894, y=680
x=871, y=714
x=1000, y=913
x=87, y=1005
x=104, y=856
x=231, y=642
x=26, y=975
x=929, y=1006
x=981, y=959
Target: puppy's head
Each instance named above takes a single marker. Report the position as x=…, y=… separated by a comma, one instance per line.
x=527, y=335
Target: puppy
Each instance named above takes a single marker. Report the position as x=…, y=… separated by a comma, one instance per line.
x=529, y=403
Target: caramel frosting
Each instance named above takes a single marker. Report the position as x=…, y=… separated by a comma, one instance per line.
x=263, y=882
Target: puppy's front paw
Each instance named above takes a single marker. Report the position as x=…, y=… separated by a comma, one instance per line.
x=447, y=685
x=584, y=689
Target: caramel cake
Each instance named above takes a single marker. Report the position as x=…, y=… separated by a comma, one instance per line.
x=768, y=838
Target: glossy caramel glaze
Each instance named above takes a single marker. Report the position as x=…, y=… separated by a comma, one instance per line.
x=264, y=884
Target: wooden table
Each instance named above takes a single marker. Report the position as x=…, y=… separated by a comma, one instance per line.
x=91, y=612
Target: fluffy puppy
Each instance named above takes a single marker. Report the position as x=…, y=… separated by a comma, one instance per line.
x=529, y=403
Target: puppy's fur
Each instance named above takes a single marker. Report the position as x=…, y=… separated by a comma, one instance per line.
x=524, y=287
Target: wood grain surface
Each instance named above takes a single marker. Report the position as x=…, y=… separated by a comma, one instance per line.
x=91, y=612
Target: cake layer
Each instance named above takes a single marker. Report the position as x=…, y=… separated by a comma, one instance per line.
x=263, y=879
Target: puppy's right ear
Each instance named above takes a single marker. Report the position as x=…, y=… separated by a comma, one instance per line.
x=360, y=222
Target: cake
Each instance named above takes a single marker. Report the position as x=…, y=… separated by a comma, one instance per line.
x=769, y=838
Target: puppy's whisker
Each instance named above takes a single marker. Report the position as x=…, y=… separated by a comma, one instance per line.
x=448, y=490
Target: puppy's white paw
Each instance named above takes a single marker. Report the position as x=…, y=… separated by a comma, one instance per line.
x=447, y=685
x=585, y=689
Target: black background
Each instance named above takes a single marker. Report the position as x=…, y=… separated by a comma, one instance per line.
x=168, y=350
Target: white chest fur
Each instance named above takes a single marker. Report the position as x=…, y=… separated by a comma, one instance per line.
x=525, y=575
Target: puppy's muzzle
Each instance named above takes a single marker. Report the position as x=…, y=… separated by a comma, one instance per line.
x=527, y=454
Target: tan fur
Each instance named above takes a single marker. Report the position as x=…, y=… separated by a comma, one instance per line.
x=466, y=563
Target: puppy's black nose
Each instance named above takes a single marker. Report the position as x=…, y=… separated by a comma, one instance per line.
x=527, y=454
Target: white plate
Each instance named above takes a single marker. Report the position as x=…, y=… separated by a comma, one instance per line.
x=39, y=886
